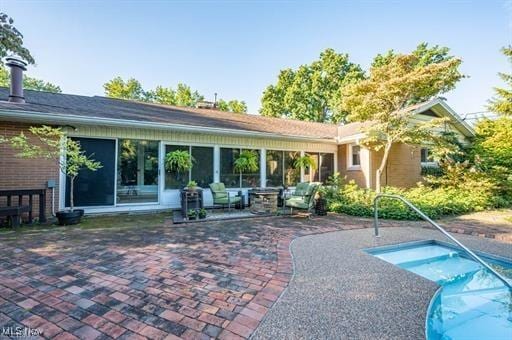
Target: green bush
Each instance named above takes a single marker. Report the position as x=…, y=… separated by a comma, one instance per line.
x=435, y=202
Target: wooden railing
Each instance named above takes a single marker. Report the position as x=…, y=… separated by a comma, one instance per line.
x=19, y=194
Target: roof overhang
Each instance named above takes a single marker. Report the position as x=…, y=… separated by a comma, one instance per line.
x=65, y=119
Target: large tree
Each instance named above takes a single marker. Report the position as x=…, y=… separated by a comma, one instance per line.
x=385, y=95
x=11, y=40
x=130, y=89
x=183, y=95
x=312, y=91
x=502, y=102
x=29, y=83
x=236, y=106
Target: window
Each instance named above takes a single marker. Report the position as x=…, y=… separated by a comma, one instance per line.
x=202, y=168
x=281, y=169
x=312, y=175
x=426, y=156
x=232, y=179
x=291, y=174
x=275, y=168
x=137, y=171
x=354, y=157
x=326, y=166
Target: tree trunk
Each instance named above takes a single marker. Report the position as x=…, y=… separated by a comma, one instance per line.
x=71, y=189
x=383, y=163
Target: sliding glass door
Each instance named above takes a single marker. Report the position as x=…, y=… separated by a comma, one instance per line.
x=137, y=171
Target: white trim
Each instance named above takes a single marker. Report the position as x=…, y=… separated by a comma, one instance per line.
x=44, y=118
x=351, y=166
x=216, y=164
x=302, y=172
x=263, y=168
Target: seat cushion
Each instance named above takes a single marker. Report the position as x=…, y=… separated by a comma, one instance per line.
x=226, y=200
x=217, y=187
x=296, y=202
x=301, y=189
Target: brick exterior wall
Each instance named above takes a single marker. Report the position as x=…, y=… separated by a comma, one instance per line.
x=403, y=168
x=22, y=173
x=359, y=176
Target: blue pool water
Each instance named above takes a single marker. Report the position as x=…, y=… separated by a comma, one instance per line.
x=471, y=303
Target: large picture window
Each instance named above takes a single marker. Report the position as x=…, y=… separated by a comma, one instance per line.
x=202, y=168
x=281, y=169
x=137, y=171
x=324, y=167
x=312, y=175
x=230, y=177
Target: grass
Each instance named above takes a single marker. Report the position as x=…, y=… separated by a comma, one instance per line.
x=118, y=221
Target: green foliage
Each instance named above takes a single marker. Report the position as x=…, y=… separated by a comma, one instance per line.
x=232, y=106
x=502, y=103
x=130, y=89
x=435, y=202
x=395, y=82
x=305, y=161
x=312, y=91
x=192, y=184
x=246, y=162
x=29, y=83
x=202, y=213
x=11, y=40
x=52, y=143
x=431, y=170
x=183, y=95
x=179, y=161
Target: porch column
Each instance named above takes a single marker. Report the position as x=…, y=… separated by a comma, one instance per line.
x=302, y=153
x=216, y=164
x=263, y=168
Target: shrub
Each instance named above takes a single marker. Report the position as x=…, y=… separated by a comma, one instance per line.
x=435, y=202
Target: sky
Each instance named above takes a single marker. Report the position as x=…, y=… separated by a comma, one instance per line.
x=237, y=48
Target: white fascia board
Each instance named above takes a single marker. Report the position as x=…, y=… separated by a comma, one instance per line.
x=51, y=118
x=465, y=128
x=351, y=139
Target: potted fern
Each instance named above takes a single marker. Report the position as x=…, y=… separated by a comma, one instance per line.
x=54, y=144
x=246, y=162
x=306, y=162
x=178, y=161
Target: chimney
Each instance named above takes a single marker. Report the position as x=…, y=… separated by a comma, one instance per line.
x=17, y=67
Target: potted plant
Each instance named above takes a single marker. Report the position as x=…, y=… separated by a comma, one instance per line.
x=191, y=214
x=192, y=186
x=202, y=213
x=178, y=161
x=54, y=144
x=306, y=162
x=246, y=162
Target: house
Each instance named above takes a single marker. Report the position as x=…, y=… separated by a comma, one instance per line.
x=131, y=140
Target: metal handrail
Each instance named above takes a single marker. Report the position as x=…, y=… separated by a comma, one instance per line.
x=438, y=227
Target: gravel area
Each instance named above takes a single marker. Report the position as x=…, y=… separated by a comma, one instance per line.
x=339, y=291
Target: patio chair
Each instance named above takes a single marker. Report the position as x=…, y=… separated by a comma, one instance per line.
x=303, y=197
x=221, y=196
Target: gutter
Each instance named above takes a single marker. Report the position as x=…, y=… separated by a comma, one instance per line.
x=47, y=118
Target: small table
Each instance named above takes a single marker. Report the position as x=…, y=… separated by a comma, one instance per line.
x=263, y=201
x=192, y=199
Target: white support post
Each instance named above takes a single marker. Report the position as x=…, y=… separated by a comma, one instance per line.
x=263, y=168
x=216, y=164
x=302, y=153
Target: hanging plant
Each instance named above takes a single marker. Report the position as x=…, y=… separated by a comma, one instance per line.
x=178, y=161
x=305, y=162
x=246, y=162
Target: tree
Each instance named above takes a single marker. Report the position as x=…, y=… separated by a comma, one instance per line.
x=312, y=92
x=232, y=106
x=52, y=143
x=502, y=103
x=11, y=40
x=130, y=89
x=29, y=83
x=186, y=97
x=163, y=95
x=384, y=96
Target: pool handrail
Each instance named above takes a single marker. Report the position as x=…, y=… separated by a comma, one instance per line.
x=438, y=227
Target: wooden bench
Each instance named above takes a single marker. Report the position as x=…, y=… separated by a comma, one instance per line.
x=14, y=213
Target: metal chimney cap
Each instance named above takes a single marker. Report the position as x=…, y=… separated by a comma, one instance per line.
x=16, y=62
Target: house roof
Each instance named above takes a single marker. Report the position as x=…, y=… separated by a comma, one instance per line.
x=102, y=110
x=58, y=108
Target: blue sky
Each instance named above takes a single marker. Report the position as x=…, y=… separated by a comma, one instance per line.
x=236, y=48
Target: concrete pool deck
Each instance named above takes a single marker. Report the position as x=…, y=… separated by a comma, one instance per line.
x=339, y=291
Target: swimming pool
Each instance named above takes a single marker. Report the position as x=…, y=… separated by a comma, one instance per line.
x=471, y=303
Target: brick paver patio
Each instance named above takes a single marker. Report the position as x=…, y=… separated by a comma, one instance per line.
x=194, y=281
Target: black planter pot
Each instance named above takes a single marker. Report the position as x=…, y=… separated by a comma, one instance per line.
x=321, y=207
x=69, y=217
